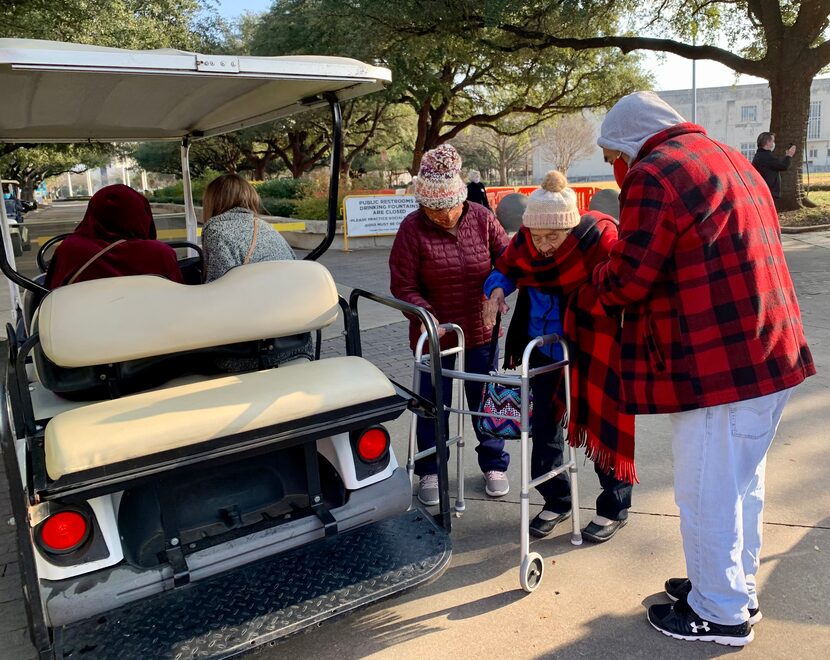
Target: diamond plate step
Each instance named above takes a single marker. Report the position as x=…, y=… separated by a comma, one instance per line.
x=264, y=601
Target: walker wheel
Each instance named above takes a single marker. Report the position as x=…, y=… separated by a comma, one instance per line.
x=531, y=572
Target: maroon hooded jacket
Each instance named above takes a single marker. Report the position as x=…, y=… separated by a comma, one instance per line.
x=445, y=274
x=114, y=213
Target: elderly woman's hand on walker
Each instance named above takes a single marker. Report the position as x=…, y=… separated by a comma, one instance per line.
x=493, y=305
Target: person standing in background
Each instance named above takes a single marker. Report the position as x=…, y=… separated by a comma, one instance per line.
x=769, y=166
x=476, y=192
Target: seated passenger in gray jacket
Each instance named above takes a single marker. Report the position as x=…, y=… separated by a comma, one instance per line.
x=233, y=236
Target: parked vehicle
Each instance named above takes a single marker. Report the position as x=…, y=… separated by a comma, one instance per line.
x=163, y=509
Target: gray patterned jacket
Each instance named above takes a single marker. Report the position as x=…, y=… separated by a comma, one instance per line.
x=226, y=239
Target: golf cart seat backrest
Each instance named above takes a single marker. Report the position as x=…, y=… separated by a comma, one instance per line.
x=131, y=328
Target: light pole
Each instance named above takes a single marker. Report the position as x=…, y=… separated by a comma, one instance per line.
x=694, y=77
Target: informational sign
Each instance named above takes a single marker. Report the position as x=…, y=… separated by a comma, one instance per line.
x=376, y=215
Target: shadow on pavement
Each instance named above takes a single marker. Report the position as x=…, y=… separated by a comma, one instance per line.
x=803, y=568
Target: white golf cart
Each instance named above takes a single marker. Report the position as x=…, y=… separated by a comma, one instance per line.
x=162, y=509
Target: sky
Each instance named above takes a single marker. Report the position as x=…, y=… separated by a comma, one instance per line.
x=233, y=8
x=670, y=72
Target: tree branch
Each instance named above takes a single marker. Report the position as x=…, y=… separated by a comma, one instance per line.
x=535, y=39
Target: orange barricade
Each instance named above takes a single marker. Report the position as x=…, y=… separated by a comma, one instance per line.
x=494, y=194
x=583, y=195
x=497, y=193
x=365, y=191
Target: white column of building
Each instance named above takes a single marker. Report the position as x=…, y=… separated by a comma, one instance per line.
x=69, y=182
x=125, y=174
x=144, y=185
x=89, y=190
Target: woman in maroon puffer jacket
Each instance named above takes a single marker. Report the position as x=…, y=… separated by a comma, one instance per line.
x=441, y=257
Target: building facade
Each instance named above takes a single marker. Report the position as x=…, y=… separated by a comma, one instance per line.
x=733, y=115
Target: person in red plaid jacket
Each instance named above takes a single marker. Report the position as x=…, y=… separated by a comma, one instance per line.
x=712, y=334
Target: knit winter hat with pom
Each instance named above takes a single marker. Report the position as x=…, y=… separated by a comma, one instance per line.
x=553, y=206
x=439, y=184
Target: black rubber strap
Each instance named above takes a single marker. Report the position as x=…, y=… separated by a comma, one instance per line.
x=315, y=491
x=172, y=537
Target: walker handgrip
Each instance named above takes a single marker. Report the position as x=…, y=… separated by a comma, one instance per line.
x=547, y=340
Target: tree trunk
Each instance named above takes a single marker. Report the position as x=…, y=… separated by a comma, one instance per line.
x=420, y=138
x=790, y=93
x=345, y=170
x=260, y=164
x=27, y=189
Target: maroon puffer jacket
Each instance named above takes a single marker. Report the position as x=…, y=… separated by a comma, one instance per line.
x=445, y=274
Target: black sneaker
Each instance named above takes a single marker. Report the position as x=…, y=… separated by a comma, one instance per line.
x=541, y=528
x=677, y=588
x=678, y=620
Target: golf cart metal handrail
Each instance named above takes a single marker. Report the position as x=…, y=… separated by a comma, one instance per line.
x=435, y=372
x=15, y=277
x=43, y=265
x=34, y=616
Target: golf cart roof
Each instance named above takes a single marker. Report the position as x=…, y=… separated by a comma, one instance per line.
x=63, y=92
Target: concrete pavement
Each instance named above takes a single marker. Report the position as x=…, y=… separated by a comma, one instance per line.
x=591, y=601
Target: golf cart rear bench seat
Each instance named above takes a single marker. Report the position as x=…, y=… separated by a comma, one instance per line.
x=105, y=338
x=143, y=424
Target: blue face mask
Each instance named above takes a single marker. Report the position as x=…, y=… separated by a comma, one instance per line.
x=772, y=147
x=7, y=195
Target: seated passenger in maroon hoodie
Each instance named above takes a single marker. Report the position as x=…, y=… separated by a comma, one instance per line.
x=116, y=237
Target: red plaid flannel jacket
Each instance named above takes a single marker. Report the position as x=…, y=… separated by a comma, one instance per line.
x=710, y=314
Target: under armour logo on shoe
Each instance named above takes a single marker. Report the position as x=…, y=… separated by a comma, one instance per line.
x=702, y=626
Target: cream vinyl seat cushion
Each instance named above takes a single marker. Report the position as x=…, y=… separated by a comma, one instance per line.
x=118, y=319
x=134, y=426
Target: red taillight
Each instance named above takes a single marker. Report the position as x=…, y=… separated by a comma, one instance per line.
x=63, y=531
x=373, y=444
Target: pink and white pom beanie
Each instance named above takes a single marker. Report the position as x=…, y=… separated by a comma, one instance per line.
x=439, y=184
x=553, y=206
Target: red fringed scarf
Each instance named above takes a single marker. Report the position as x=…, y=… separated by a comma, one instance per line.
x=596, y=422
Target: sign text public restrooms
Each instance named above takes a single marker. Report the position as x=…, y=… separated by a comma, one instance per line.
x=379, y=215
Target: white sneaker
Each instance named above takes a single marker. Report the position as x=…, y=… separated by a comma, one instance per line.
x=496, y=484
x=428, y=490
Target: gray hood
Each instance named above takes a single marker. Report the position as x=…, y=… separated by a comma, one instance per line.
x=633, y=120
